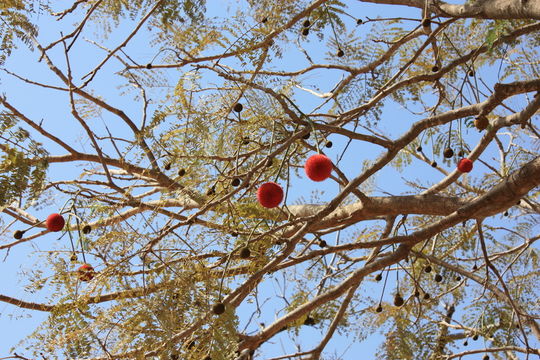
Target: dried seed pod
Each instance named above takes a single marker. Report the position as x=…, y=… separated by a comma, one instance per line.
x=235, y=182
x=309, y=321
x=448, y=153
x=238, y=107
x=218, y=308
x=86, y=229
x=245, y=253
x=18, y=234
x=481, y=122
x=398, y=300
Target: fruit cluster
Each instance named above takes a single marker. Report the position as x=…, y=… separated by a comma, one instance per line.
x=318, y=168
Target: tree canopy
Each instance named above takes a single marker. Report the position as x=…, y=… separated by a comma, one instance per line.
x=272, y=179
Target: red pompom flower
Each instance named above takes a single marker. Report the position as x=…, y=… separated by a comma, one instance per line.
x=465, y=165
x=318, y=167
x=86, y=272
x=55, y=222
x=270, y=194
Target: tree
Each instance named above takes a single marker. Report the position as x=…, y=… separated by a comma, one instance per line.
x=165, y=249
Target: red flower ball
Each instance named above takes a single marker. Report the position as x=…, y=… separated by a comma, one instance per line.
x=86, y=272
x=465, y=165
x=318, y=167
x=55, y=222
x=270, y=194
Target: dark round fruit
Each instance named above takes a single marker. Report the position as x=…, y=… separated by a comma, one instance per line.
x=481, y=123
x=306, y=23
x=435, y=68
x=428, y=269
x=427, y=296
x=448, y=153
x=218, y=308
x=238, y=107
x=475, y=337
x=518, y=202
x=149, y=66
x=419, y=149
x=434, y=164
x=73, y=257
x=470, y=73
x=505, y=213
x=181, y=172
x=458, y=278
x=305, y=137
x=167, y=166
x=234, y=234
x=416, y=293
x=465, y=343
x=438, y=278
x=309, y=321
x=329, y=144
x=426, y=22
x=461, y=153
x=191, y=344
x=235, y=182
x=211, y=191
x=264, y=20
x=475, y=267
x=398, y=300
x=18, y=234
x=305, y=32
x=378, y=277
x=245, y=140
x=269, y=162
x=323, y=243
x=245, y=253
x=208, y=357
x=378, y=309
x=359, y=21
x=340, y=53
x=86, y=229
x=486, y=357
